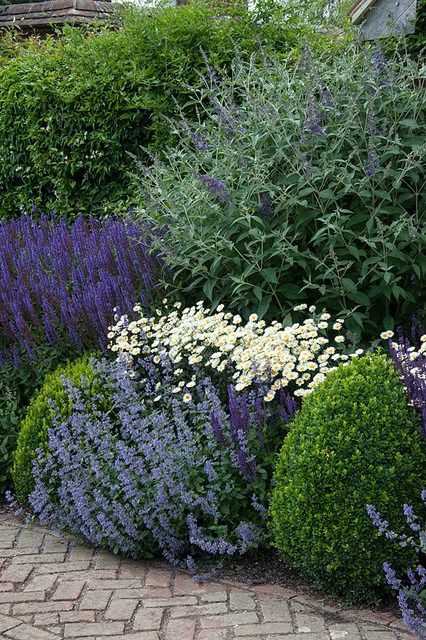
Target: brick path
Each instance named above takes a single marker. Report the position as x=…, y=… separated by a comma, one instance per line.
x=52, y=587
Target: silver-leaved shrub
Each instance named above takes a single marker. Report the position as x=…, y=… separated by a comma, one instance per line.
x=301, y=182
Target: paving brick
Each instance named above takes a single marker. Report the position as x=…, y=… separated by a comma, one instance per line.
x=41, y=583
x=86, y=575
x=241, y=600
x=61, y=567
x=275, y=591
x=180, y=630
x=69, y=590
x=28, y=632
x=106, y=562
x=345, y=631
x=308, y=623
x=16, y=573
x=6, y=622
x=148, y=619
x=24, y=618
x=213, y=634
x=121, y=609
x=170, y=602
x=7, y=537
x=13, y=552
x=381, y=635
x=95, y=600
x=45, y=619
x=229, y=620
x=96, y=584
x=141, y=635
x=215, y=596
x=30, y=539
x=86, y=629
x=77, y=616
x=304, y=603
x=79, y=553
x=55, y=545
x=34, y=596
x=120, y=594
x=41, y=607
x=263, y=629
x=141, y=593
x=211, y=608
x=275, y=610
x=158, y=578
x=299, y=636
x=39, y=558
x=132, y=569
x=184, y=585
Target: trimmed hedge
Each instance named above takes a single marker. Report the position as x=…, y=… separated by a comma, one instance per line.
x=354, y=442
x=72, y=108
x=52, y=400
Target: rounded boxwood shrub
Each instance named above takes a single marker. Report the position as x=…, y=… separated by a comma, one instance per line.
x=51, y=401
x=355, y=441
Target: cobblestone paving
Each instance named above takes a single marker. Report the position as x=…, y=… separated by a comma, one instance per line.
x=52, y=587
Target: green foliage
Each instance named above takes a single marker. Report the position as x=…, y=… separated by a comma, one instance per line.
x=414, y=43
x=17, y=385
x=354, y=442
x=52, y=400
x=300, y=184
x=71, y=108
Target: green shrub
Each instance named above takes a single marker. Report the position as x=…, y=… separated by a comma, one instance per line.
x=72, y=108
x=302, y=184
x=51, y=400
x=355, y=442
x=17, y=386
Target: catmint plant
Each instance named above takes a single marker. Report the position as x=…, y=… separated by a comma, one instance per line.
x=140, y=469
x=412, y=592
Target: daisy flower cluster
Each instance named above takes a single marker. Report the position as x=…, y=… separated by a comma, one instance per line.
x=296, y=357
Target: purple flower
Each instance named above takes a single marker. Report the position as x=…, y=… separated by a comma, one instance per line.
x=411, y=596
x=313, y=124
x=413, y=375
x=373, y=163
x=265, y=205
x=60, y=284
x=215, y=187
x=137, y=477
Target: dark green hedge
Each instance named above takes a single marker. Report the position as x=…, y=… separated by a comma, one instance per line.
x=72, y=108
